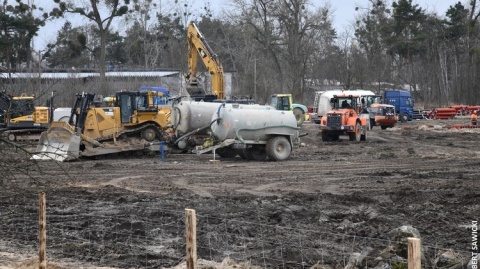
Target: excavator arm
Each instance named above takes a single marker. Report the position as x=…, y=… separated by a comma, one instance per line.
x=198, y=46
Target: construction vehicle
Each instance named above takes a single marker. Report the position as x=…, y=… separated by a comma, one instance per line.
x=382, y=115
x=254, y=132
x=403, y=102
x=198, y=47
x=134, y=123
x=283, y=101
x=322, y=102
x=343, y=119
x=21, y=120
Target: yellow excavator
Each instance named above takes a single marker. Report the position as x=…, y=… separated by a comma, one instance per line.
x=134, y=123
x=20, y=119
x=198, y=47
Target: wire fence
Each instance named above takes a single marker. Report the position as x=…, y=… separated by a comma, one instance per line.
x=118, y=233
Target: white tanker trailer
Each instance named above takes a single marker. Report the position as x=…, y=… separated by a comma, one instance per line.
x=191, y=120
x=254, y=132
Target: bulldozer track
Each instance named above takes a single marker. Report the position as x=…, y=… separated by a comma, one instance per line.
x=132, y=131
x=23, y=134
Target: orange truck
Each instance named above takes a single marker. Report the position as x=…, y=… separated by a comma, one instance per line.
x=343, y=119
x=382, y=115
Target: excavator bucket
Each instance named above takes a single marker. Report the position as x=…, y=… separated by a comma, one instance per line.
x=58, y=143
x=194, y=90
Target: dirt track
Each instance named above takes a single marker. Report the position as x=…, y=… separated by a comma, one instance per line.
x=416, y=174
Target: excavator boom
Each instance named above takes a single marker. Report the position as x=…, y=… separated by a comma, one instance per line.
x=198, y=46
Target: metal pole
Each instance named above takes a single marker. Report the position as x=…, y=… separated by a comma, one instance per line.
x=255, y=80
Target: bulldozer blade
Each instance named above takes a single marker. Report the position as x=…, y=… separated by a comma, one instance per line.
x=58, y=143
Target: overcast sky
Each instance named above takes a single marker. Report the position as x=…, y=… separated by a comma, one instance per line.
x=343, y=16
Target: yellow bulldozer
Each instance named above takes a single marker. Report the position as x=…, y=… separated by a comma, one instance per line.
x=133, y=123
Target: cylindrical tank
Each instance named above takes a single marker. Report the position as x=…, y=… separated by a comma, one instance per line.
x=188, y=115
x=252, y=124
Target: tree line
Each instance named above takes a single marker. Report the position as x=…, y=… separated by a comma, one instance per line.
x=272, y=45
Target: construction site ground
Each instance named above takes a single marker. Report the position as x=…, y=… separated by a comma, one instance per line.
x=418, y=173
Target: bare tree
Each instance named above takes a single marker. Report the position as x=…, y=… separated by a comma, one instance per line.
x=288, y=33
x=92, y=10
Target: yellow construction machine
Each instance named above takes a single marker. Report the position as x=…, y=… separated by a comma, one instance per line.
x=198, y=47
x=134, y=123
x=20, y=119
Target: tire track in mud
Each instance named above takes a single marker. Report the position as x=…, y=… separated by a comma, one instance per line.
x=322, y=177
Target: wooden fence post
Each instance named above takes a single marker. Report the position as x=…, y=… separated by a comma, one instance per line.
x=414, y=253
x=191, y=238
x=42, y=222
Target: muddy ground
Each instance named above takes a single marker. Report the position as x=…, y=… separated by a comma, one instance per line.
x=329, y=200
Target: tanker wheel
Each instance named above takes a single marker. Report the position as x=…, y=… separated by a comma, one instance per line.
x=149, y=134
x=384, y=127
x=355, y=136
x=226, y=152
x=256, y=153
x=12, y=137
x=278, y=148
x=299, y=116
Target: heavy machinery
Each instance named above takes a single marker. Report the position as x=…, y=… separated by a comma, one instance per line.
x=322, y=103
x=403, y=102
x=134, y=123
x=382, y=115
x=198, y=47
x=251, y=131
x=255, y=134
x=283, y=101
x=343, y=119
x=21, y=120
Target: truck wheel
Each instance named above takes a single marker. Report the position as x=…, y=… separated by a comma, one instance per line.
x=326, y=137
x=383, y=127
x=404, y=117
x=363, y=136
x=299, y=116
x=256, y=153
x=278, y=148
x=372, y=123
x=149, y=134
x=355, y=136
x=226, y=152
